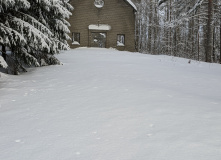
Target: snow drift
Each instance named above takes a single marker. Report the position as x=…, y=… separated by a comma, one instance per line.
x=104, y=104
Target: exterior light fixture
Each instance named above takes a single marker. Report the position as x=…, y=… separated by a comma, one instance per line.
x=99, y=3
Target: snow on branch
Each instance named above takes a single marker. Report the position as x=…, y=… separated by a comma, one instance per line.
x=45, y=2
x=196, y=6
x=66, y=22
x=22, y=3
x=3, y=64
x=36, y=23
x=15, y=4
x=161, y=2
x=29, y=58
x=61, y=45
x=33, y=35
x=68, y=5
x=7, y=3
x=9, y=36
x=61, y=10
x=59, y=25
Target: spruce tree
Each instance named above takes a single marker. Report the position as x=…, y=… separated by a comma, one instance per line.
x=33, y=30
x=52, y=13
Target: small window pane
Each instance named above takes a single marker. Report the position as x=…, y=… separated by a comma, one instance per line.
x=120, y=40
x=75, y=38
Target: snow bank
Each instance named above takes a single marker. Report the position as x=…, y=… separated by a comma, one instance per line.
x=3, y=76
x=103, y=104
x=3, y=63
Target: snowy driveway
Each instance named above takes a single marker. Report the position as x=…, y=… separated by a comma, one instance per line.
x=108, y=105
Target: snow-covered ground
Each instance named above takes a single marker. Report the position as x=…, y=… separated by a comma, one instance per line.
x=103, y=104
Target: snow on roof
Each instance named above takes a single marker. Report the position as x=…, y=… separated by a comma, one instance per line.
x=105, y=27
x=132, y=4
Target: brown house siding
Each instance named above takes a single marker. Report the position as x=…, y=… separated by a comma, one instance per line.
x=116, y=13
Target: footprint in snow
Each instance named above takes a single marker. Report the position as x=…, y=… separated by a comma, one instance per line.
x=151, y=125
x=214, y=103
x=78, y=153
x=149, y=135
x=18, y=141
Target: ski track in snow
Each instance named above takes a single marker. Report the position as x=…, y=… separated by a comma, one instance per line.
x=103, y=104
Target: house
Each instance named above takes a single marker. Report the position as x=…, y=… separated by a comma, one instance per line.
x=103, y=23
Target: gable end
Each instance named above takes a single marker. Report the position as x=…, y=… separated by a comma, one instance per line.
x=131, y=4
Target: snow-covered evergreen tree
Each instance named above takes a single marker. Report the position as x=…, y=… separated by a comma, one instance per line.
x=15, y=32
x=52, y=13
x=34, y=30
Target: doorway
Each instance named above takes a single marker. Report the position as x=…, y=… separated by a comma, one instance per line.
x=98, y=39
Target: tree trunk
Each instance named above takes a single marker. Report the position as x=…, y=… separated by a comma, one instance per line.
x=169, y=32
x=170, y=29
x=150, y=27
x=209, y=35
x=4, y=52
x=198, y=39
x=213, y=54
x=220, y=43
x=193, y=40
x=175, y=42
x=155, y=30
x=198, y=48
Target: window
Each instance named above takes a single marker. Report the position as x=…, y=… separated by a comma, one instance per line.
x=120, y=40
x=76, y=38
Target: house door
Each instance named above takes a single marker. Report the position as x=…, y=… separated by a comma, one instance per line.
x=98, y=39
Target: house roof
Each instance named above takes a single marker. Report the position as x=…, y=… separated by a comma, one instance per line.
x=132, y=4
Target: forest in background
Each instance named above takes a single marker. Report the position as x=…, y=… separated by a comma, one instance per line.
x=181, y=28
